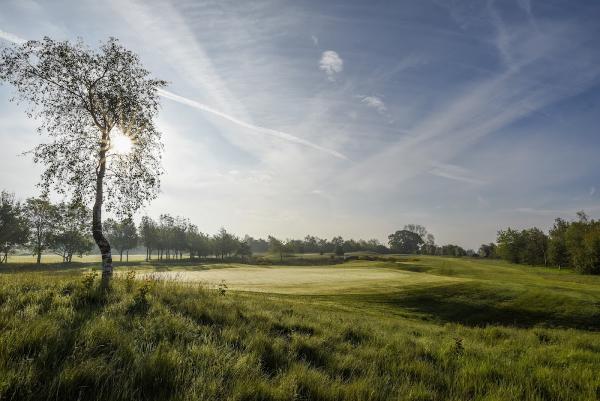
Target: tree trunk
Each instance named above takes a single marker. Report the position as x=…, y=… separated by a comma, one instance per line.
x=101, y=241
x=121, y=256
x=39, y=257
x=127, y=252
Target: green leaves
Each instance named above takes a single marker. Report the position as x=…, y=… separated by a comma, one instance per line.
x=80, y=95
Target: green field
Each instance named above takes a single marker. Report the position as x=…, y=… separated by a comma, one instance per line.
x=418, y=328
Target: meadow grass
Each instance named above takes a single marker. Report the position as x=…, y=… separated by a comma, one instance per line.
x=492, y=331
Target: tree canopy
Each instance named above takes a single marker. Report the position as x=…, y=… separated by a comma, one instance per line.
x=405, y=241
x=82, y=98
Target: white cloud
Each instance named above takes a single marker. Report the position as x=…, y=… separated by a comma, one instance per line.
x=592, y=191
x=375, y=103
x=331, y=63
x=11, y=37
x=315, y=40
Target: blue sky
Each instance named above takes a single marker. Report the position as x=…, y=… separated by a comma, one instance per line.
x=351, y=118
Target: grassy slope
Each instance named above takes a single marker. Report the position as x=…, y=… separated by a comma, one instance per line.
x=421, y=341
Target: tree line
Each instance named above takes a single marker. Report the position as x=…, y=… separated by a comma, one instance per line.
x=63, y=228
x=573, y=244
x=43, y=227
x=170, y=237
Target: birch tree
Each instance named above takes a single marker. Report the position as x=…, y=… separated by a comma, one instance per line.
x=83, y=98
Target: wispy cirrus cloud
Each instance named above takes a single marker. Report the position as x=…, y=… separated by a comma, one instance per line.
x=10, y=37
x=456, y=173
x=275, y=133
x=161, y=26
x=488, y=105
x=375, y=102
x=331, y=63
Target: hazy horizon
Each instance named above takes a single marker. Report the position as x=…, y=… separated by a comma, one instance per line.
x=348, y=118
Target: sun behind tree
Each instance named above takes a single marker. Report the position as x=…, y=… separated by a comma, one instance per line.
x=97, y=106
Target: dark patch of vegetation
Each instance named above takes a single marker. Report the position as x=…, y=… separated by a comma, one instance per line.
x=479, y=304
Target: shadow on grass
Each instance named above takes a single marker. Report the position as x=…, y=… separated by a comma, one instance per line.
x=411, y=267
x=480, y=305
x=162, y=265
x=166, y=264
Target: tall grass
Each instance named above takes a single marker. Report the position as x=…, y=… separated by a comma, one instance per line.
x=61, y=338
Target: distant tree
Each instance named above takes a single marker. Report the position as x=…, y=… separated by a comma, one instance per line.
x=243, y=250
x=199, y=243
x=311, y=244
x=296, y=246
x=322, y=245
x=557, y=247
x=122, y=234
x=166, y=229
x=511, y=244
x=191, y=235
x=488, y=250
x=417, y=229
x=180, y=235
x=276, y=247
x=83, y=97
x=405, y=241
x=41, y=217
x=338, y=245
x=257, y=245
x=535, y=250
x=14, y=230
x=225, y=243
x=131, y=237
x=452, y=250
x=71, y=234
x=429, y=247
x=583, y=244
x=351, y=245
x=149, y=235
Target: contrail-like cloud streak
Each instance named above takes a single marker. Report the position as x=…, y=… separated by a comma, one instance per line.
x=192, y=103
x=278, y=134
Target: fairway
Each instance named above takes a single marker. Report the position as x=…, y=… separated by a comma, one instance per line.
x=446, y=329
x=349, y=279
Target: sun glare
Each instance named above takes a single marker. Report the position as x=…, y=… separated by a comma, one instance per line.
x=120, y=143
